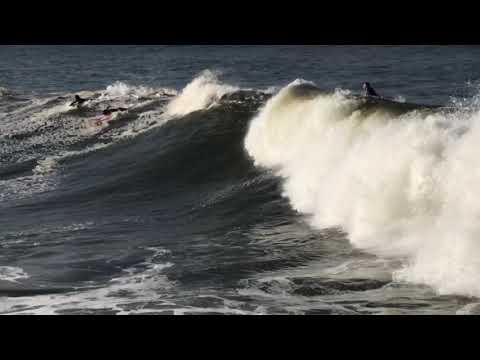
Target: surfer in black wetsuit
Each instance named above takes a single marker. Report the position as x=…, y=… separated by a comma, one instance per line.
x=109, y=111
x=106, y=114
x=78, y=101
x=368, y=90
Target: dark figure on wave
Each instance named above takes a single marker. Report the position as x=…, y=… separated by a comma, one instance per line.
x=107, y=114
x=78, y=101
x=368, y=90
x=109, y=111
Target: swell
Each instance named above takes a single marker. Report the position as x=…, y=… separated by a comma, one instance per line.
x=360, y=164
x=178, y=178
x=189, y=157
x=163, y=141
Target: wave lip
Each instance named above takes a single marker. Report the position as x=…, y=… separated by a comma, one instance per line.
x=122, y=90
x=203, y=92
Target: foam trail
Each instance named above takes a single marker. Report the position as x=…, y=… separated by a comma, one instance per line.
x=12, y=274
x=201, y=93
x=402, y=186
x=4, y=91
x=120, y=89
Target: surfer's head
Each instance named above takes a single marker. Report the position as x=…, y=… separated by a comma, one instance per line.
x=77, y=97
x=367, y=88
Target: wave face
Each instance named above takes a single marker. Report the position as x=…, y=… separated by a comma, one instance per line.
x=222, y=199
x=400, y=183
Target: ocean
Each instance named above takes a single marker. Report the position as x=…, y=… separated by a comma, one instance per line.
x=239, y=180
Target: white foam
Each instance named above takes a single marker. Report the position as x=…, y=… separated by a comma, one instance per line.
x=402, y=187
x=120, y=89
x=45, y=166
x=4, y=91
x=469, y=309
x=203, y=92
x=12, y=274
x=143, y=286
x=55, y=110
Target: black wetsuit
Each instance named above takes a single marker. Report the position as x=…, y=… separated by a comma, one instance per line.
x=78, y=101
x=368, y=90
x=111, y=111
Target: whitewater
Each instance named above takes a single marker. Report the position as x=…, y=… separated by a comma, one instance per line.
x=240, y=188
x=400, y=186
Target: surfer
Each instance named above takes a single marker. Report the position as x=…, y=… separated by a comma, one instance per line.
x=107, y=114
x=368, y=90
x=109, y=111
x=78, y=101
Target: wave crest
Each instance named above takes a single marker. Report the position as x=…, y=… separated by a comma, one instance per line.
x=401, y=180
x=204, y=91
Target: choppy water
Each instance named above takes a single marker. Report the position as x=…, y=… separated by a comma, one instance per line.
x=229, y=186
